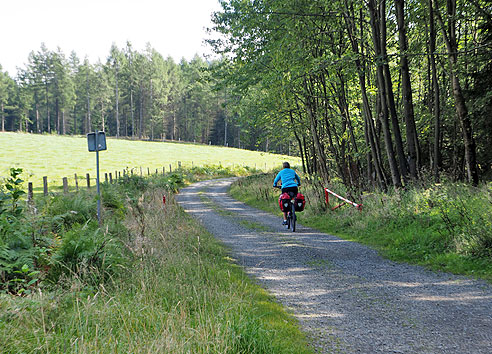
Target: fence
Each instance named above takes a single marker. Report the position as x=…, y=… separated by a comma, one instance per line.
x=108, y=178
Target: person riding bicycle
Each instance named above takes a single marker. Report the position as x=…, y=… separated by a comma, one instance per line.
x=290, y=182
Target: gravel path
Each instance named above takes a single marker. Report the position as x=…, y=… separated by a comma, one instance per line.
x=346, y=297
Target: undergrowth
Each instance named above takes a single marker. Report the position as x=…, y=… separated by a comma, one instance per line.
x=150, y=279
x=445, y=227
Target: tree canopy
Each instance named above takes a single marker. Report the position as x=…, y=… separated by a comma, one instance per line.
x=374, y=93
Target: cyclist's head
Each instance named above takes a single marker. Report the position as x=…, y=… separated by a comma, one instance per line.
x=286, y=164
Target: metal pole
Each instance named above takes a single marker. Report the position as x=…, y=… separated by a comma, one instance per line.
x=98, y=189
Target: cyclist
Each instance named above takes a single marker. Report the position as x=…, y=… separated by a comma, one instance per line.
x=290, y=182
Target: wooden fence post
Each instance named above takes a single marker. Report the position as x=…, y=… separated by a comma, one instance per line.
x=148, y=171
x=45, y=186
x=141, y=171
x=179, y=164
x=170, y=169
x=88, y=178
x=163, y=170
x=110, y=178
x=29, y=193
x=65, y=185
x=106, y=177
x=76, y=182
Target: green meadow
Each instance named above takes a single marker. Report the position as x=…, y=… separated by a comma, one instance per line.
x=63, y=156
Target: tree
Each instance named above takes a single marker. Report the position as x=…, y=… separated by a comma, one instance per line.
x=411, y=132
x=3, y=95
x=450, y=39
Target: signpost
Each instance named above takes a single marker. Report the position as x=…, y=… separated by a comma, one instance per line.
x=97, y=142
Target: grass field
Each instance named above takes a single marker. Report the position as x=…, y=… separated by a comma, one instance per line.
x=62, y=156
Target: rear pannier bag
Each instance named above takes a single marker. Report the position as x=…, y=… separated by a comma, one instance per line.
x=300, y=202
x=284, y=202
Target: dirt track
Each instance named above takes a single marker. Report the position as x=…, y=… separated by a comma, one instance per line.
x=346, y=297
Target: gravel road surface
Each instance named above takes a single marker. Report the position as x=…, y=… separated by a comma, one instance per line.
x=345, y=296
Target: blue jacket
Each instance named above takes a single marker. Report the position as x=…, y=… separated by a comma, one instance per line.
x=288, y=177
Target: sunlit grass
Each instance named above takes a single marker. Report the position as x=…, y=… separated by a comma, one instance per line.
x=63, y=156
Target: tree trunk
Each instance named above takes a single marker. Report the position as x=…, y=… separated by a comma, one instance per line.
x=37, y=118
x=131, y=112
x=64, y=129
x=411, y=131
x=117, y=105
x=88, y=121
x=374, y=157
x=57, y=109
x=395, y=173
x=299, y=142
x=152, y=111
x=48, y=118
x=390, y=102
x=140, y=128
x=436, y=109
x=3, y=118
x=461, y=109
x=320, y=153
x=74, y=120
x=103, y=120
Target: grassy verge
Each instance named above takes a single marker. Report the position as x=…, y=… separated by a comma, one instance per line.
x=445, y=227
x=178, y=291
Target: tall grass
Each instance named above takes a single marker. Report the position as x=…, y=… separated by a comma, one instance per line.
x=179, y=292
x=445, y=227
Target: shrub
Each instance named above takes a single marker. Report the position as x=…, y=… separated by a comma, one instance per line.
x=133, y=183
x=16, y=246
x=67, y=210
x=171, y=182
x=86, y=252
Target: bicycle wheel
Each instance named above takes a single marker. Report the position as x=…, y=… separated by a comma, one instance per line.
x=289, y=217
x=294, y=219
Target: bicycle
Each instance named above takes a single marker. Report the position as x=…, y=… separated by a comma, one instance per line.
x=291, y=214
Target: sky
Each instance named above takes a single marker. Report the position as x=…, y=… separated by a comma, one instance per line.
x=174, y=28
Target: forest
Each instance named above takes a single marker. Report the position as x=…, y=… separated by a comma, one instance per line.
x=376, y=93
x=139, y=95
x=373, y=93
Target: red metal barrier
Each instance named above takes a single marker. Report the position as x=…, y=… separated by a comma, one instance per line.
x=327, y=198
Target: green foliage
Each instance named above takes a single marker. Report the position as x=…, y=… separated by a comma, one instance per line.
x=86, y=252
x=63, y=212
x=16, y=244
x=10, y=193
x=176, y=290
x=61, y=239
x=296, y=82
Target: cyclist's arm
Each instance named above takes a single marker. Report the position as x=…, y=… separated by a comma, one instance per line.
x=277, y=178
x=298, y=179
